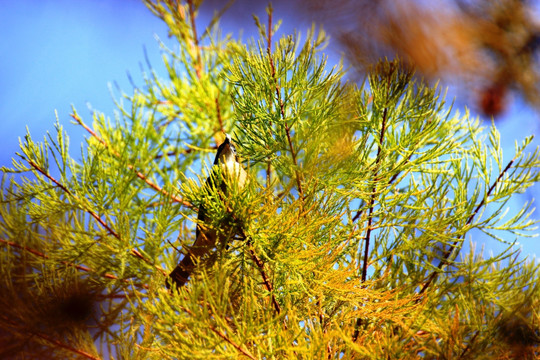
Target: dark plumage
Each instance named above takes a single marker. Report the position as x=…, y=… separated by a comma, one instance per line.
x=207, y=238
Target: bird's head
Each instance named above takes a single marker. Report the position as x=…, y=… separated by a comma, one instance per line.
x=226, y=152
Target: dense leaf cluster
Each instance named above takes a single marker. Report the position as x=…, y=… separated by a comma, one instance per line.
x=349, y=236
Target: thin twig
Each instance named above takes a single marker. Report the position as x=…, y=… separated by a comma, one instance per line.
x=89, y=211
x=469, y=343
x=236, y=346
x=53, y=341
x=198, y=63
x=268, y=173
x=137, y=254
x=222, y=335
x=357, y=215
x=78, y=267
x=172, y=153
x=131, y=167
x=282, y=106
x=390, y=182
x=297, y=174
x=371, y=206
x=269, y=52
x=260, y=267
x=446, y=255
x=65, y=346
x=266, y=281
x=44, y=256
x=403, y=162
x=269, y=34
x=373, y=195
x=370, y=213
x=218, y=114
x=491, y=188
x=92, y=213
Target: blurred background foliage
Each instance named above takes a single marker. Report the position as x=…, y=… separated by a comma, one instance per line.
x=485, y=50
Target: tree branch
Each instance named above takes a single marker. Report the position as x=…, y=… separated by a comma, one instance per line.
x=370, y=213
x=218, y=114
x=44, y=256
x=131, y=167
x=236, y=346
x=66, y=190
x=448, y=252
x=260, y=267
x=266, y=281
x=373, y=195
x=92, y=213
x=223, y=336
x=282, y=107
x=51, y=340
x=469, y=343
x=171, y=153
x=65, y=346
x=198, y=60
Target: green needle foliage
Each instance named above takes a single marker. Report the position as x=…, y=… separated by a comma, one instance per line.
x=348, y=238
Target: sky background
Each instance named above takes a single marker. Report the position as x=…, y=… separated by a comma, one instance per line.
x=58, y=53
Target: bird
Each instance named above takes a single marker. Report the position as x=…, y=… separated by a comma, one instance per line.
x=206, y=238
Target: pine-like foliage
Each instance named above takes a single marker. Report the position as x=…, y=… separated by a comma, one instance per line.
x=349, y=235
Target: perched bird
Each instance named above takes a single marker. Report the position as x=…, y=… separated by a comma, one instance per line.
x=206, y=238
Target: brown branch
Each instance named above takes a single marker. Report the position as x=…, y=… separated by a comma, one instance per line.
x=131, y=167
x=92, y=213
x=269, y=52
x=473, y=339
x=65, y=346
x=260, y=267
x=44, y=256
x=78, y=267
x=447, y=254
x=198, y=60
x=236, y=346
x=403, y=162
x=282, y=106
x=370, y=213
x=218, y=114
x=172, y=153
x=137, y=254
x=53, y=341
x=373, y=195
x=266, y=281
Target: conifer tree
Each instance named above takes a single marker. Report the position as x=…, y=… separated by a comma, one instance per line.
x=349, y=233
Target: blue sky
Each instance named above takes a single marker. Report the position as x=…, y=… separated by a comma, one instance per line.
x=56, y=53
x=59, y=52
